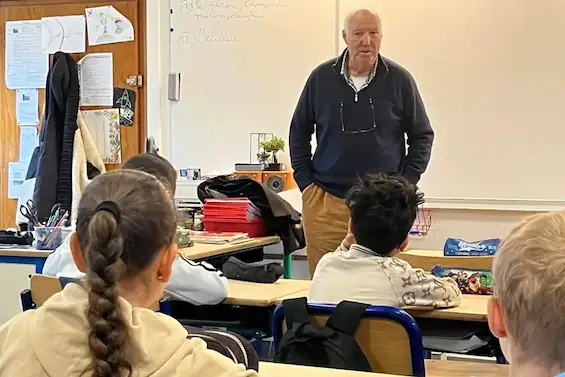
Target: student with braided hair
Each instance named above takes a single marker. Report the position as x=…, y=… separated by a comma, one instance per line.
x=101, y=327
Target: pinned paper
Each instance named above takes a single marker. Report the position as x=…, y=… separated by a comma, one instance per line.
x=66, y=34
x=16, y=177
x=96, y=80
x=106, y=25
x=124, y=100
x=104, y=125
x=28, y=142
x=26, y=64
x=27, y=107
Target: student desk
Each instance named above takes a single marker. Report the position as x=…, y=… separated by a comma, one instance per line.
x=17, y=264
x=473, y=308
x=434, y=368
x=427, y=259
x=202, y=251
x=285, y=370
x=248, y=308
x=262, y=295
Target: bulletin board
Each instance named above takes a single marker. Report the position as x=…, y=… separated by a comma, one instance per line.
x=128, y=60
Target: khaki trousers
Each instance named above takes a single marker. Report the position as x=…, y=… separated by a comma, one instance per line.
x=325, y=219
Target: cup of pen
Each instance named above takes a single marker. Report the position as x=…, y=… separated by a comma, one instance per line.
x=50, y=238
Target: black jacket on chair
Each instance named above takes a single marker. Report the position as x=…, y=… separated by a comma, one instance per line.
x=279, y=216
x=52, y=160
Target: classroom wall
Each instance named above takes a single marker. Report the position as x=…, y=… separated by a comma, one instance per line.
x=157, y=24
x=466, y=224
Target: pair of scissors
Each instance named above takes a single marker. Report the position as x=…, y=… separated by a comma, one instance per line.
x=29, y=211
x=30, y=204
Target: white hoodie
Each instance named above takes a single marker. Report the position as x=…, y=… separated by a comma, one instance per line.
x=196, y=283
x=52, y=341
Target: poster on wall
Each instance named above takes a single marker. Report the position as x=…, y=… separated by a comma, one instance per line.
x=16, y=177
x=96, y=75
x=26, y=64
x=66, y=34
x=124, y=101
x=27, y=107
x=106, y=25
x=104, y=126
x=28, y=142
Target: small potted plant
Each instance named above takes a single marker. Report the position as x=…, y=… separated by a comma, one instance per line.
x=272, y=147
x=263, y=158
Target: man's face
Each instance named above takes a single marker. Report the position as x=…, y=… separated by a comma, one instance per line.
x=363, y=36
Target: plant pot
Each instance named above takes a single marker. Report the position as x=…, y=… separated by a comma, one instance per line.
x=275, y=166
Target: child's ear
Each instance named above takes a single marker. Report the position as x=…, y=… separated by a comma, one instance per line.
x=496, y=318
x=166, y=263
x=76, y=252
x=403, y=245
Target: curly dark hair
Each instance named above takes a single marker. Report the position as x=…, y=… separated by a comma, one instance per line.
x=383, y=209
x=117, y=248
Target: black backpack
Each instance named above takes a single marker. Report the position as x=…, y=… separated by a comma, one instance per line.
x=233, y=346
x=332, y=346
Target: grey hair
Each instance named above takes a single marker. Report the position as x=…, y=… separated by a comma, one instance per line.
x=347, y=20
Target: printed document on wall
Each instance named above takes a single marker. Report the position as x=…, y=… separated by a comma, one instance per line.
x=16, y=177
x=65, y=33
x=96, y=80
x=26, y=64
x=28, y=142
x=27, y=107
x=106, y=25
x=104, y=126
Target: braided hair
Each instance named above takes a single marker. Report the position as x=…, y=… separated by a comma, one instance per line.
x=125, y=218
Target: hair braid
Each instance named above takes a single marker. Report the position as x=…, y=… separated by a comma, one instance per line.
x=108, y=338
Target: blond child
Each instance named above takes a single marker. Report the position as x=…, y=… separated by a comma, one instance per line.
x=527, y=311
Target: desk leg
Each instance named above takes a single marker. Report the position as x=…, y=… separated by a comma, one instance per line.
x=288, y=266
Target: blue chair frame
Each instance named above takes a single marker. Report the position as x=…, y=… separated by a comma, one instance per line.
x=27, y=300
x=383, y=312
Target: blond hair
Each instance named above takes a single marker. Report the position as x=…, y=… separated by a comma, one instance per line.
x=529, y=275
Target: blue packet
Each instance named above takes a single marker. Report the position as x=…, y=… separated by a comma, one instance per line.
x=458, y=247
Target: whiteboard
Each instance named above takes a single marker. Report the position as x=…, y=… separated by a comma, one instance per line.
x=243, y=65
x=492, y=76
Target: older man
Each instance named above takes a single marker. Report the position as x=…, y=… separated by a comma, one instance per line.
x=361, y=106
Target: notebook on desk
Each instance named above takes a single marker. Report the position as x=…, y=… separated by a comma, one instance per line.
x=218, y=238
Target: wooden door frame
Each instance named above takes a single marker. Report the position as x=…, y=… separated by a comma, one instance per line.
x=142, y=52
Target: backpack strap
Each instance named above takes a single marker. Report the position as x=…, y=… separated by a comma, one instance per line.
x=347, y=317
x=64, y=281
x=296, y=312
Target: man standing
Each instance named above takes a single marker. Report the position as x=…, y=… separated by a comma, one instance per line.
x=361, y=106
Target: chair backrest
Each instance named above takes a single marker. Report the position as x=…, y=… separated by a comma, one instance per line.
x=42, y=287
x=389, y=337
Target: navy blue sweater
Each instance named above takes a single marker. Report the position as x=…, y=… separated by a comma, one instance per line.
x=359, y=133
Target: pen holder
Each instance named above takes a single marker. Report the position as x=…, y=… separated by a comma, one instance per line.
x=50, y=238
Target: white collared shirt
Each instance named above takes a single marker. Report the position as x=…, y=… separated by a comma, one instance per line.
x=360, y=275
